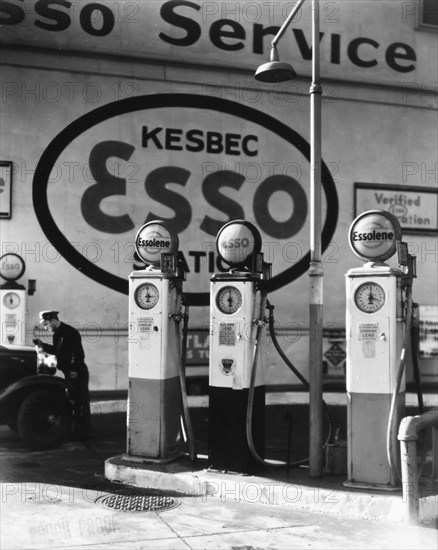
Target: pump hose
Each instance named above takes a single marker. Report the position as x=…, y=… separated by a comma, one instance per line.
x=392, y=427
x=410, y=343
x=414, y=355
x=294, y=369
x=182, y=377
x=260, y=325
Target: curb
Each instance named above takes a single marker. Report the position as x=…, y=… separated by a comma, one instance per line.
x=182, y=478
x=326, y=494
x=120, y=406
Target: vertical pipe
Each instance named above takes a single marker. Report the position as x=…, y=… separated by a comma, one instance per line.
x=315, y=270
x=408, y=451
x=408, y=436
x=435, y=452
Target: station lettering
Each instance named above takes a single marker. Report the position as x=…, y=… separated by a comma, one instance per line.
x=373, y=236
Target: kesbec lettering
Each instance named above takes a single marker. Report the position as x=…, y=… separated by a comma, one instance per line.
x=197, y=141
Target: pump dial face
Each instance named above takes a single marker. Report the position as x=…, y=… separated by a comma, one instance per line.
x=11, y=300
x=146, y=296
x=369, y=297
x=229, y=299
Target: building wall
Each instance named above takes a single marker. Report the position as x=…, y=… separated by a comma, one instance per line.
x=97, y=106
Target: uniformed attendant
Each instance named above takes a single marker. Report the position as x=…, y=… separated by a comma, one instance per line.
x=67, y=347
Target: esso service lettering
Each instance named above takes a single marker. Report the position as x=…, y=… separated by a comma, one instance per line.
x=186, y=22
x=56, y=16
x=231, y=36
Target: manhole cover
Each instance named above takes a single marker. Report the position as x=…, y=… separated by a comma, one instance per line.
x=136, y=503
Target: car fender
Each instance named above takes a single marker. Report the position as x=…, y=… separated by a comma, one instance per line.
x=34, y=382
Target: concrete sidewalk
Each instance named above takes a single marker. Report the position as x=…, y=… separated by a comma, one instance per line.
x=274, y=485
x=294, y=490
x=60, y=498
x=71, y=518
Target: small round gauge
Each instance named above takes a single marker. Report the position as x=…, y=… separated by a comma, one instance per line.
x=146, y=296
x=11, y=300
x=369, y=297
x=229, y=299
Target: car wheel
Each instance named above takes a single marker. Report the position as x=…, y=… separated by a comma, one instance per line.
x=44, y=419
x=13, y=425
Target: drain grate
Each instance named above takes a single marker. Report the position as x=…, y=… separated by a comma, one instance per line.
x=136, y=503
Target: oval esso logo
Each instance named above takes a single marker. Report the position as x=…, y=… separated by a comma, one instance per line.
x=398, y=210
x=374, y=234
x=152, y=240
x=193, y=162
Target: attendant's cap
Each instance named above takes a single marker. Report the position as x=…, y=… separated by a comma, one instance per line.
x=48, y=314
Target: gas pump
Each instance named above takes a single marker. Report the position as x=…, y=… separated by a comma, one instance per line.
x=12, y=300
x=378, y=313
x=156, y=394
x=237, y=304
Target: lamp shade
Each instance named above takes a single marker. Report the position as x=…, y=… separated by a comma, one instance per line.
x=275, y=71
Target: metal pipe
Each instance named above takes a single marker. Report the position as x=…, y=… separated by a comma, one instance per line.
x=410, y=426
x=286, y=23
x=316, y=272
x=409, y=473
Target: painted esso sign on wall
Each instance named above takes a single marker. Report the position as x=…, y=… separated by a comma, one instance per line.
x=192, y=161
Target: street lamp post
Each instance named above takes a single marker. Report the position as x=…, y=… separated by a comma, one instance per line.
x=276, y=71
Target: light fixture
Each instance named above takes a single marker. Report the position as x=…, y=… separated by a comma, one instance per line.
x=275, y=70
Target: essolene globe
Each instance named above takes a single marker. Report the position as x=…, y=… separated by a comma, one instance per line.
x=374, y=234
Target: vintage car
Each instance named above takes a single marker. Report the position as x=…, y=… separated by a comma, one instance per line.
x=35, y=399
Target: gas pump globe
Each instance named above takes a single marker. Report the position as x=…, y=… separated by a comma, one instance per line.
x=12, y=300
x=375, y=329
x=154, y=394
x=237, y=304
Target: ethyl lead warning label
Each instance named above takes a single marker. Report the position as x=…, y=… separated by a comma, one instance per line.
x=367, y=331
